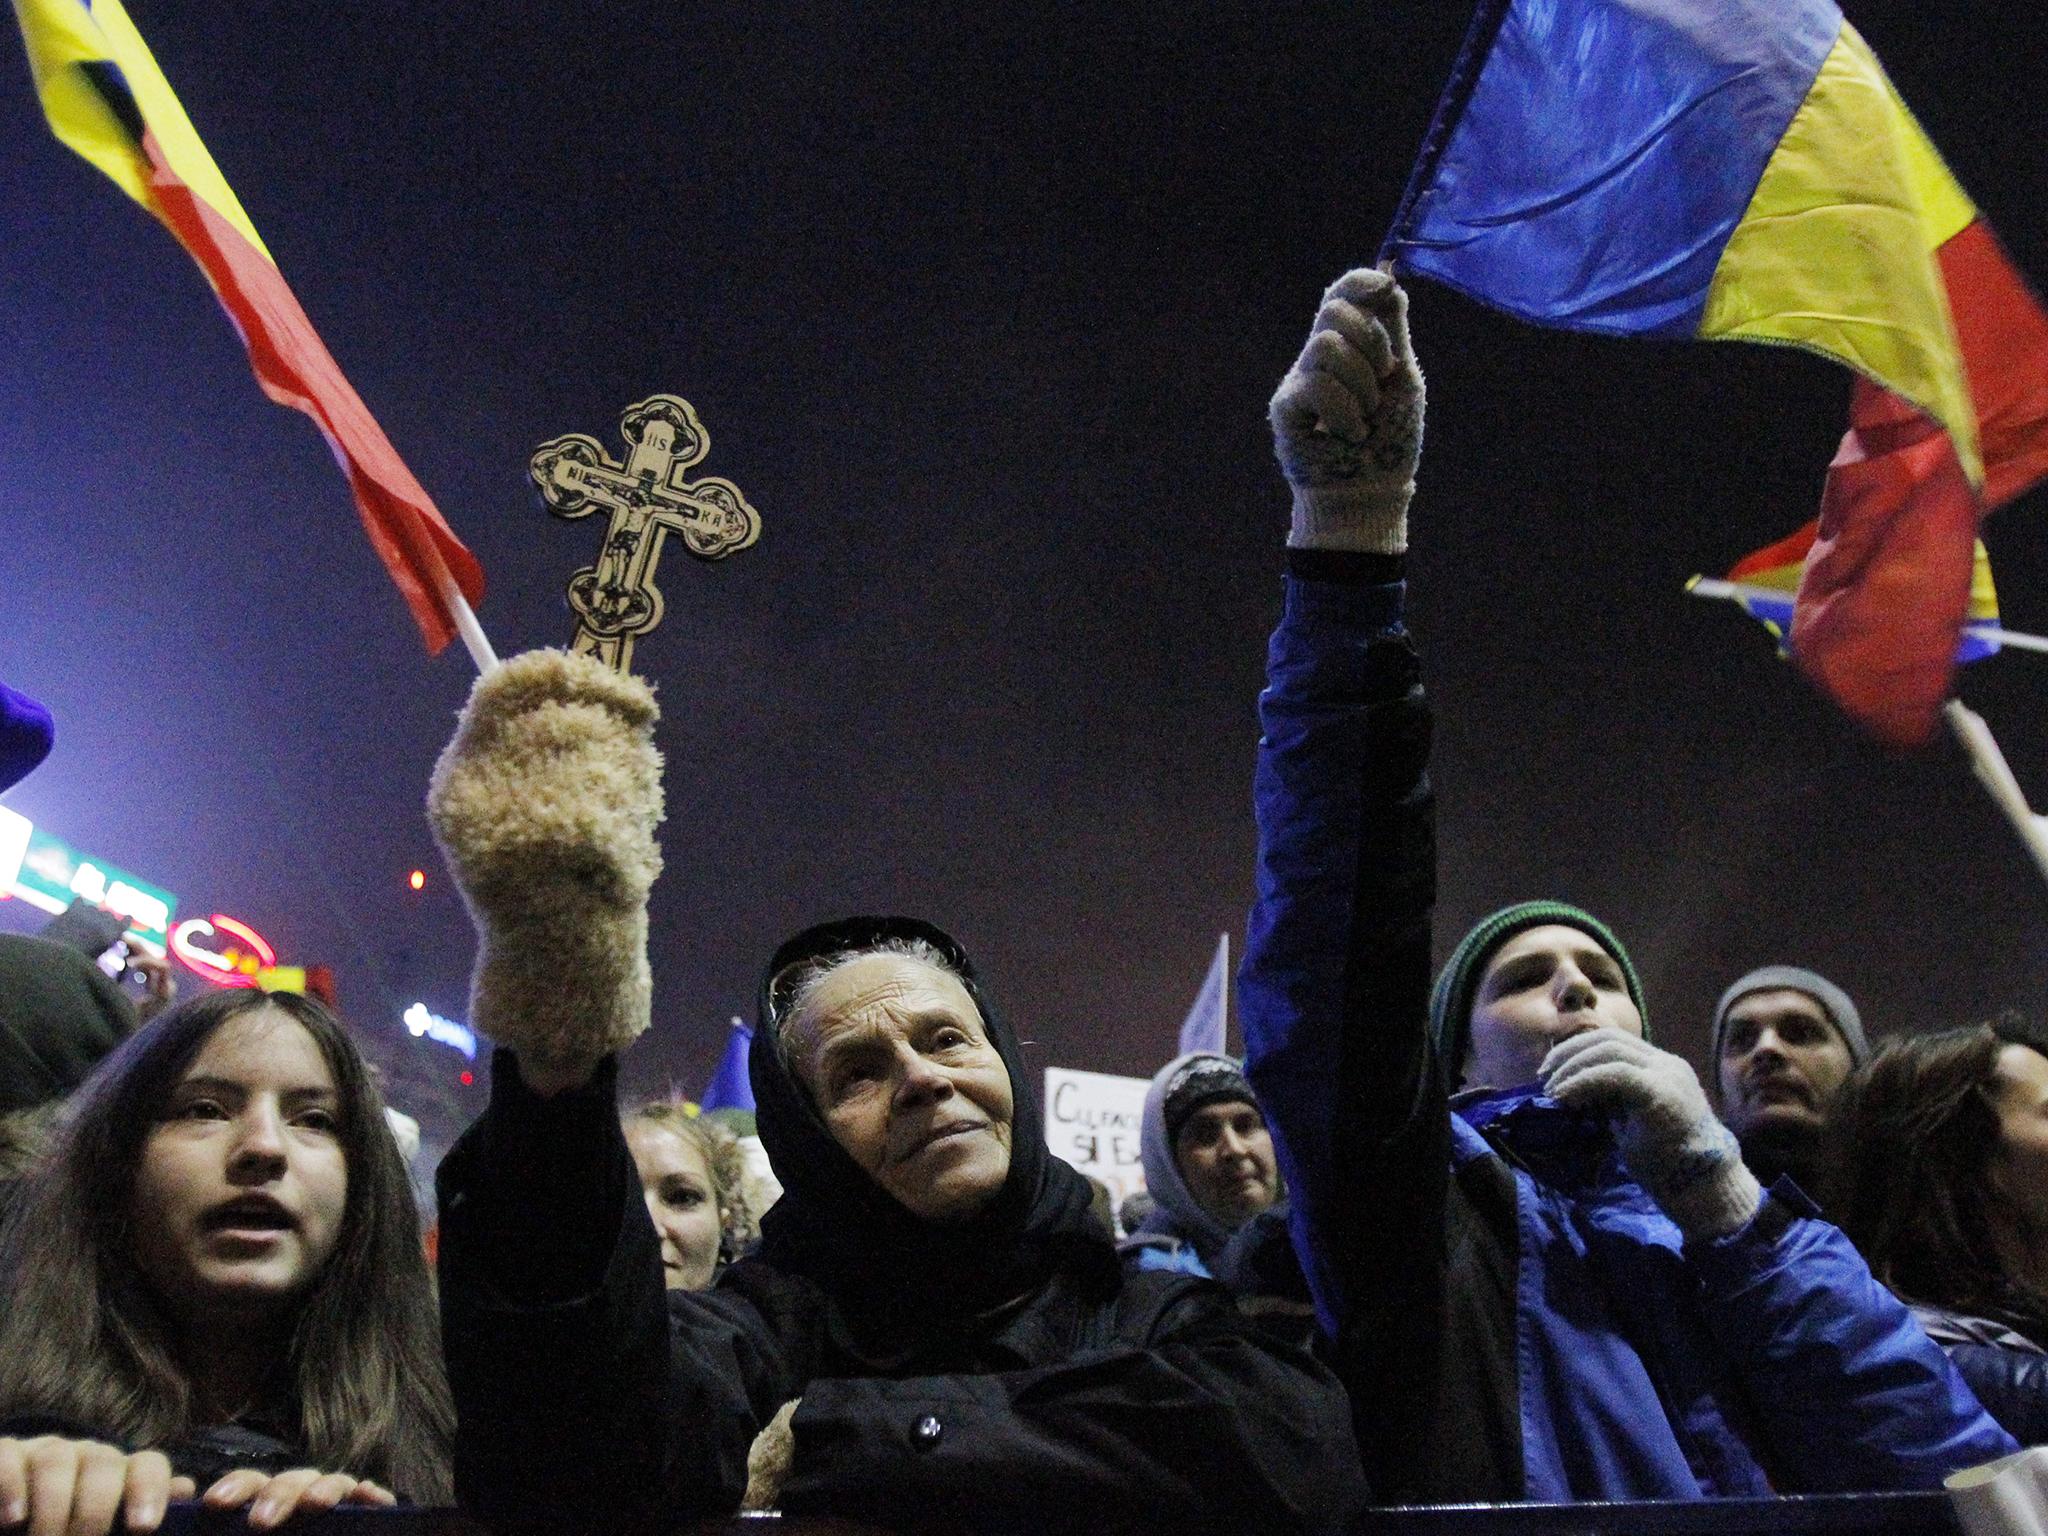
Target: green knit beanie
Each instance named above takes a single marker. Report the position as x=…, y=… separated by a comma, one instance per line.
x=1450, y=1005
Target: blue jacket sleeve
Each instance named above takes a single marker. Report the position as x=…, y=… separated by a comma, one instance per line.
x=1335, y=992
x=1335, y=983
x=1850, y=1392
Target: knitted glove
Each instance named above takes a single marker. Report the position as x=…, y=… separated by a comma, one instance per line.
x=545, y=804
x=1685, y=1158
x=1347, y=420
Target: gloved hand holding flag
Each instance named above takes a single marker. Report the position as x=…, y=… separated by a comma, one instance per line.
x=1729, y=170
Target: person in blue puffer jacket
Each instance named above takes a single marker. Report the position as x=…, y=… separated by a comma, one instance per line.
x=1562, y=1284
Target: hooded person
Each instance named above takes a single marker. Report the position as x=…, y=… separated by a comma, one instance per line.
x=59, y=1015
x=1563, y=1283
x=897, y=1282
x=1208, y=1164
x=934, y=1329
x=1786, y=1040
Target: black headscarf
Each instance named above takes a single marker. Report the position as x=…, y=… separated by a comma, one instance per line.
x=899, y=1282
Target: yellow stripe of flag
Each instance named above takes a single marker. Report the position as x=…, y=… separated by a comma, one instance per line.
x=1836, y=250
x=65, y=35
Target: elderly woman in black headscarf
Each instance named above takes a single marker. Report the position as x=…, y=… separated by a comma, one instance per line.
x=933, y=1331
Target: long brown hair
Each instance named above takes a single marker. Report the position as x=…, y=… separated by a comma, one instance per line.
x=83, y=1340
x=1913, y=1135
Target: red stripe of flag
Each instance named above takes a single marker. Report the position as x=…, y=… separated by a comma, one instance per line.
x=1790, y=550
x=295, y=369
x=1886, y=589
x=2003, y=334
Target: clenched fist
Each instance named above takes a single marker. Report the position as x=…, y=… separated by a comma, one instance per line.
x=1347, y=420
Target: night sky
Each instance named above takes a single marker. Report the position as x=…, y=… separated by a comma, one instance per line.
x=981, y=306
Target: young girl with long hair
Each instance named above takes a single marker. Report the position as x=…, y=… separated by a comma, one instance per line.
x=215, y=1279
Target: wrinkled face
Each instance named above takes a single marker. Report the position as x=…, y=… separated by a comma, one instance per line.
x=898, y=1061
x=1226, y=1157
x=1540, y=987
x=2019, y=1167
x=1782, y=1061
x=242, y=1184
x=675, y=1176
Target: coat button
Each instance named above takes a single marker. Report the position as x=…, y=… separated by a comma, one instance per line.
x=926, y=1431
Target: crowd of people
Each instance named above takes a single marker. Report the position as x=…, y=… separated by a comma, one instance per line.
x=1456, y=1233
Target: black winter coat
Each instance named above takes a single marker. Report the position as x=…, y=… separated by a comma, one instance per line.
x=2007, y=1370
x=1096, y=1402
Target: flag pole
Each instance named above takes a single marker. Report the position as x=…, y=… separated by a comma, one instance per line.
x=1995, y=775
x=1735, y=591
x=473, y=636
x=1480, y=32
x=1223, y=1002
x=472, y=633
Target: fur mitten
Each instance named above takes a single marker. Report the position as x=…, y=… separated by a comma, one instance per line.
x=545, y=805
x=769, y=1459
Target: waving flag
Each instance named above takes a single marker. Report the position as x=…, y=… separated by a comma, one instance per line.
x=106, y=99
x=1208, y=1020
x=1743, y=170
x=1766, y=584
x=731, y=1088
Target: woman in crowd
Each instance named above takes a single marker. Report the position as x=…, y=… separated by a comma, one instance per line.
x=1208, y=1164
x=934, y=1329
x=215, y=1280
x=1563, y=1284
x=691, y=1174
x=1942, y=1152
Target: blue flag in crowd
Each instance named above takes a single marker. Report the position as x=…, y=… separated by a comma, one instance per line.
x=1209, y=1020
x=730, y=1087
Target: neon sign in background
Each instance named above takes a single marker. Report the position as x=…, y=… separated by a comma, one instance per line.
x=47, y=872
x=247, y=960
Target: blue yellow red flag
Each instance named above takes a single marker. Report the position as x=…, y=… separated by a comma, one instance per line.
x=1765, y=584
x=1744, y=170
x=106, y=99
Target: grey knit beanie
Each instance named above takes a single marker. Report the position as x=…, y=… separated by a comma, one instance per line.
x=1834, y=1002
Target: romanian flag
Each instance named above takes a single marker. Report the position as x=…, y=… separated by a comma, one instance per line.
x=1766, y=584
x=1743, y=170
x=106, y=99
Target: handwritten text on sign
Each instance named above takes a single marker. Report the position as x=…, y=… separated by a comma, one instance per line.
x=1091, y=1121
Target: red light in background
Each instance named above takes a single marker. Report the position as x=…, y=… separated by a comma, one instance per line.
x=468, y=1078
x=417, y=879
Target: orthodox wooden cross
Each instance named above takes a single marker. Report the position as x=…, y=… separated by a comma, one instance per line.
x=616, y=600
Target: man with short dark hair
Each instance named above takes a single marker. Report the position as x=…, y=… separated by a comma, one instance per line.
x=1785, y=1041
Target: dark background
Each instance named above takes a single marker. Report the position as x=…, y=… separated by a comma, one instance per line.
x=981, y=306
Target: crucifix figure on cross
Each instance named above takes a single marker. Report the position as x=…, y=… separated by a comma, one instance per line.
x=616, y=600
